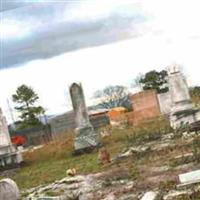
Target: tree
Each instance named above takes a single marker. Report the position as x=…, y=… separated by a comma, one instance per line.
x=136, y=82
x=155, y=80
x=195, y=95
x=113, y=96
x=25, y=97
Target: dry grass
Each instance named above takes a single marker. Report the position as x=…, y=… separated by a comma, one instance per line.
x=50, y=163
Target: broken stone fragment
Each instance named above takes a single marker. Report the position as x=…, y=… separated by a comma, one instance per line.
x=150, y=196
x=49, y=198
x=76, y=179
x=174, y=194
x=128, y=197
x=169, y=136
x=180, y=194
x=132, y=150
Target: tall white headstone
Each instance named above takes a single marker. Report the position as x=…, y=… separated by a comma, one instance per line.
x=4, y=134
x=8, y=153
x=182, y=110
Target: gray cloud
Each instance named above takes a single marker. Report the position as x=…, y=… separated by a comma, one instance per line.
x=53, y=31
x=7, y=5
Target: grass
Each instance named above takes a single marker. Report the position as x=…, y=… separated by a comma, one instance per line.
x=50, y=163
x=149, y=130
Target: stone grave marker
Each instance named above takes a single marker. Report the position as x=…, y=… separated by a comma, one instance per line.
x=182, y=111
x=86, y=139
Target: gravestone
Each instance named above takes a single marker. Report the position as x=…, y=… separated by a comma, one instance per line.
x=86, y=139
x=4, y=134
x=182, y=111
x=9, y=190
x=8, y=153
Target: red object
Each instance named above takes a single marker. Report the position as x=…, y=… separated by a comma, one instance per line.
x=18, y=140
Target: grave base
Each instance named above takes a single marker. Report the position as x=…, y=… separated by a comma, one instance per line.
x=9, y=156
x=85, y=138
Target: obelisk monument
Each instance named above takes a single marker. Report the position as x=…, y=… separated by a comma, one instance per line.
x=86, y=139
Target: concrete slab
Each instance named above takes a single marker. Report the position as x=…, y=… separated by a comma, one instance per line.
x=193, y=176
x=150, y=196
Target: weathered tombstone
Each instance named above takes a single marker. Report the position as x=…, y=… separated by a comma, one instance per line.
x=4, y=134
x=86, y=139
x=182, y=111
x=5, y=142
x=9, y=190
x=8, y=153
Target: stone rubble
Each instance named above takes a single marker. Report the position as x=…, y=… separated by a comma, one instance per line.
x=171, y=195
x=87, y=187
x=114, y=186
x=82, y=188
x=150, y=196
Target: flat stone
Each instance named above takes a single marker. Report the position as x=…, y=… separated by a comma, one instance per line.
x=189, y=135
x=128, y=197
x=9, y=190
x=190, y=178
x=161, y=146
x=173, y=194
x=132, y=150
x=160, y=169
x=150, y=196
x=43, y=197
x=48, y=198
x=76, y=179
x=187, y=155
x=185, y=166
x=168, y=136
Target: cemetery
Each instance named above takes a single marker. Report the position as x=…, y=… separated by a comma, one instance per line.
x=153, y=153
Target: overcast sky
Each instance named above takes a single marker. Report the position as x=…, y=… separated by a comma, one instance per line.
x=50, y=44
